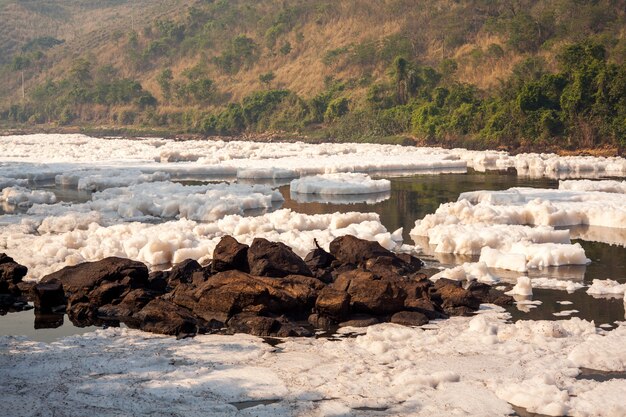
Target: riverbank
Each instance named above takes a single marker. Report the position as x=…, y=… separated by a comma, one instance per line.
x=313, y=136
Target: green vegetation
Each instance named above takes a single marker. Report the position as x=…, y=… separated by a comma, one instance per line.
x=521, y=74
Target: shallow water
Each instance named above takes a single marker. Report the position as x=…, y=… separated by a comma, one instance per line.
x=411, y=198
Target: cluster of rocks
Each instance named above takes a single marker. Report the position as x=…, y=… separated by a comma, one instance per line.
x=13, y=292
x=263, y=289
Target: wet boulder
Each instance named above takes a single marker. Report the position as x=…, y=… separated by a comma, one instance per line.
x=369, y=294
x=183, y=272
x=426, y=307
x=230, y=254
x=454, y=299
x=164, y=317
x=48, y=296
x=393, y=266
x=231, y=292
x=11, y=274
x=409, y=318
x=360, y=320
x=333, y=304
x=275, y=259
x=84, y=277
x=129, y=305
x=352, y=250
x=265, y=326
x=489, y=295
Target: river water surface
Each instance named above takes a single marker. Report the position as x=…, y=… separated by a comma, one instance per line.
x=411, y=198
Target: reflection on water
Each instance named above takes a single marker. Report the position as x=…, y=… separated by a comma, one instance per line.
x=370, y=198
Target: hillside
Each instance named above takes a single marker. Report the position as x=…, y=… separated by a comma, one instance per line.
x=478, y=73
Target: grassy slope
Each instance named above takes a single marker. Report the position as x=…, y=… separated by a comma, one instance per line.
x=434, y=29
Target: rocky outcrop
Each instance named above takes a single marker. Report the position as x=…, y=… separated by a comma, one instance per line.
x=12, y=297
x=264, y=289
x=274, y=259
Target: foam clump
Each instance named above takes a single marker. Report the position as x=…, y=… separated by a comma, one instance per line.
x=24, y=197
x=62, y=241
x=100, y=179
x=606, y=186
x=339, y=184
x=523, y=287
x=607, y=287
x=557, y=284
x=476, y=271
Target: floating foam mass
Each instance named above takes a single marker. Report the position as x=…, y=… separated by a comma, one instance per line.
x=56, y=242
x=476, y=366
x=339, y=184
x=24, y=197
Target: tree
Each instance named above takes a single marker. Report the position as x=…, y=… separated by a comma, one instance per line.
x=165, y=82
x=21, y=63
x=267, y=78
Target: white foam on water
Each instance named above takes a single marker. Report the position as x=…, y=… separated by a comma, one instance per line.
x=24, y=197
x=339, y=184
x=607, y=287
x=606, y=186
x=476, y=271
x=523, y=287
x=472, y=366
x=67, y=240
x=557, y=284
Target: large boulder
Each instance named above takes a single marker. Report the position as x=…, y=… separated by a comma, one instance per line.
x=230, y=254
x=164, y=317
x=231, y=292
x=183, y=272
x=369, y=294
x=352, y=250
x=128, y=306
x=265, y=326
x=409, y=318
x=84, y=277
x=333, y=304
x=453, y=298
x=320, y=263
x=274, y=259
x=48, y=296
x=11, y=274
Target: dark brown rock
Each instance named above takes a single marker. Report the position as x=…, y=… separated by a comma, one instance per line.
x=265, y=326
x=318, y=259
x=108, y=292
x=455, y=300
x=230, y=254
x=333, y=304
x=409, y=318
x=424, y=306
x=360, y=320
x=48, y=296
x=232, y=292
x=352, y=250
x=10, y=271
x=86, y=276
x=274, y=259
x=183, y=272
x=371, y=295
x=321, y=322
x=130, y=305
x=157, y=281
x=164, y=317
x=253, y=324
x=489, y=295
